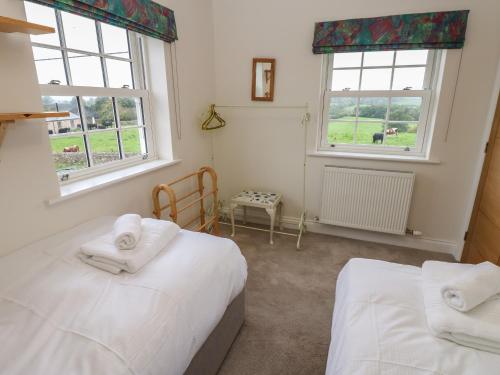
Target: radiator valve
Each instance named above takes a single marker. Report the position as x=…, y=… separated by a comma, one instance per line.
x=413, y=232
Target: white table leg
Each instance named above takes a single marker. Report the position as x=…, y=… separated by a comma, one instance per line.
x=302, y=229
x=280, y=217
x=245, y=215
x=232, y=206
x=272, y=214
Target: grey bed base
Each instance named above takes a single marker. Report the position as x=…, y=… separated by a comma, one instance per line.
x=209, y=358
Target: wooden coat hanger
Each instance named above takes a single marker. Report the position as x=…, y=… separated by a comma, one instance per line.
x=213, y=115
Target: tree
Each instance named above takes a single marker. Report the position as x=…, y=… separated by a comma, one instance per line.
x=404, y=112
x=373, y=111
x=127, y=109
x=342, y=107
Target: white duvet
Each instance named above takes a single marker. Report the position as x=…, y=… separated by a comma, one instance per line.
x=61, y=316
x=379, y=327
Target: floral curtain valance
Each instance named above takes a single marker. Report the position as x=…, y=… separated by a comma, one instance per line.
x=436, y=30
x=142, y=16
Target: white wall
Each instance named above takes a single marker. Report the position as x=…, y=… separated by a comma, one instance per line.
x=263, y=149
x=258, y=149
x=27, y=175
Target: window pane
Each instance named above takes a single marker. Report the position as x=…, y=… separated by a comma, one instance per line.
x=382, y=58
x=44, y=16
x=79, y=32
x=408, y=79
x=347, y=60
x=99, y=112
x=85, y=70
x=114, y=40
x=372, y=114
x=376, y=79
x=341, y=131
x=62, y=125
x=129, y=111
x=402, y=134
x=345, y=79
x=344, y=108
x=415, y=57
x=69, y=153
x=49, y=65
x=133, y=142
x=405, y=109
x=372, y=109
x=104, y=146
x=369, y=133
x=119, y=73
x=342, y=117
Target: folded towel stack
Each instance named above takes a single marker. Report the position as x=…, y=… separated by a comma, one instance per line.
x=462, y=303
x=103, y=252
x=127, y=231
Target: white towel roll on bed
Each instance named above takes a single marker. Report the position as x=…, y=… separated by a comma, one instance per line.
x=127, y=231
x=478, y=328
x=102, y=253
x=472, y=287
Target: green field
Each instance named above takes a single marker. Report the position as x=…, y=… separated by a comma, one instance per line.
x=103, y=145
x=341, y=131
x=100, y=142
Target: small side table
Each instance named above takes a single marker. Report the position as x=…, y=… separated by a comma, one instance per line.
x=266, y=200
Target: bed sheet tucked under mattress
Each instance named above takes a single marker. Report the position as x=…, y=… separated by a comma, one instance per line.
x=61, y=316
x=379, y=327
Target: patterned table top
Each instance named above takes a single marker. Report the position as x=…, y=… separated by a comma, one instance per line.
x=257, y=198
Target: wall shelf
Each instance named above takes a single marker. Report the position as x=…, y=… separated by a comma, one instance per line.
x=29, y=115
x=12, y=25
x=8, y=118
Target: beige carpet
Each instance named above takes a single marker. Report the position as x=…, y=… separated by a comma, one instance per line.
x=290, y=296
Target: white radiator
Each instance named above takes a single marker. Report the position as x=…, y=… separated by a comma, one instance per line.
x=366, y=199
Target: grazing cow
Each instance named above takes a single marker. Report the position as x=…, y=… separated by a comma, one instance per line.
x=391, y=131
x=378, y=137
x=74, y=148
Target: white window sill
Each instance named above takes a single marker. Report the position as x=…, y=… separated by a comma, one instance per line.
x=352, y=155
x=80, y=187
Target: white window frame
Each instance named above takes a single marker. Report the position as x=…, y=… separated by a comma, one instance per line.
x=424, y=128
x=140, y=91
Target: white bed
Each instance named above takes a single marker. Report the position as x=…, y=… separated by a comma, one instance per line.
x=379, y=327
x=61, y=316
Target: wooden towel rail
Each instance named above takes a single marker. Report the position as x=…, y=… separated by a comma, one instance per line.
x=202, y=196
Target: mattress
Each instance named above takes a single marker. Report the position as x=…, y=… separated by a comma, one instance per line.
x=379, y=327
x=61, y=316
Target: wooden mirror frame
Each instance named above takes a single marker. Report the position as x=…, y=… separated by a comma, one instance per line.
x=254, y=74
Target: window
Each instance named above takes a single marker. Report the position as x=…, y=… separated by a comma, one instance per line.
x=95, y=72
x=378, y=102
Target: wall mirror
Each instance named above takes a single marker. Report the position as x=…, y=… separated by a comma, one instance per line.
x=263, y=79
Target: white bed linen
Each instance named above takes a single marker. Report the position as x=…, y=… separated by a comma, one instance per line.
x=379, y=327
x=61, y=316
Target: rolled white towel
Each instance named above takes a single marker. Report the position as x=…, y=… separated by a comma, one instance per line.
x=473, y=287
x=478, y=328
x=127, y=231
x=102, y=253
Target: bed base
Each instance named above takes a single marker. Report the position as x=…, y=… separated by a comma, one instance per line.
x=205, y=222
x=209, y=358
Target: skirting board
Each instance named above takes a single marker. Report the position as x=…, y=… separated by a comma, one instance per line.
x=414, y=242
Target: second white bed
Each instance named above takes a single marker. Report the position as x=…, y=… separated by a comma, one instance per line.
x=379, y=327
x=60, y=316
